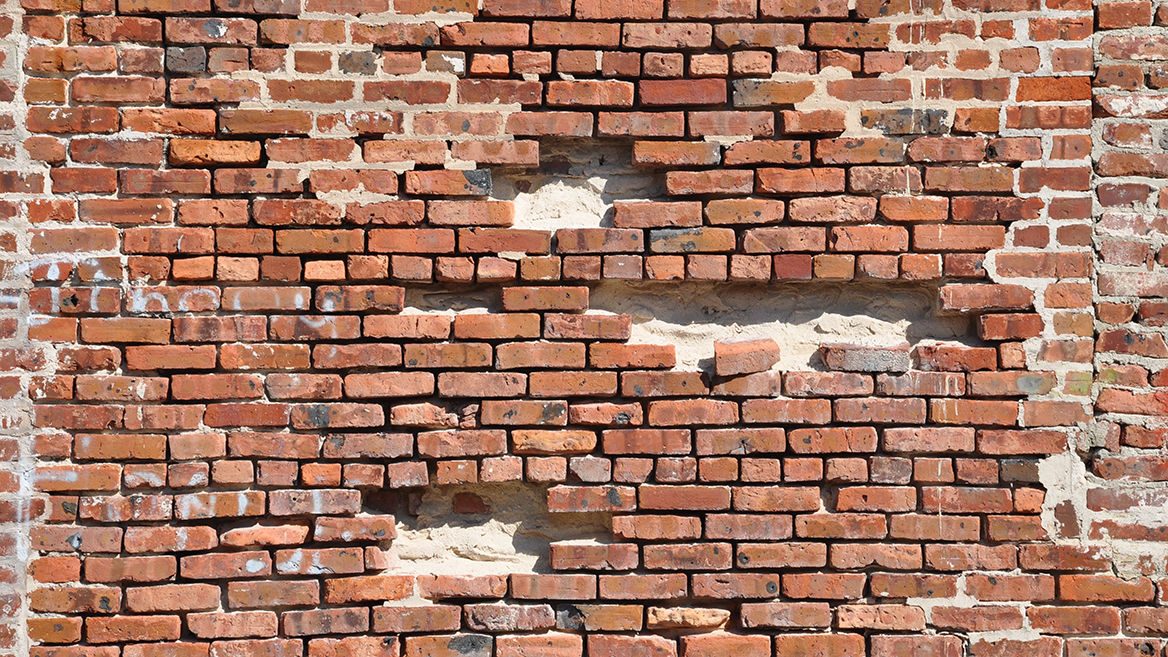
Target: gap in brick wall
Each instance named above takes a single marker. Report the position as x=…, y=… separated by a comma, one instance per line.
x=487, y=528
x=800, y=317
x=576, y=183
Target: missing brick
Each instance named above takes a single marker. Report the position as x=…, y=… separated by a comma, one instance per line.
x=487, y=529
x=576, y=184
x=799, y=317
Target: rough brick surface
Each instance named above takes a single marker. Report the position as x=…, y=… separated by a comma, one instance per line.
x=227, y=389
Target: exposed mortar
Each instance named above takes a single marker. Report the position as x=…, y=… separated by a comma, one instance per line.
x=511, y=537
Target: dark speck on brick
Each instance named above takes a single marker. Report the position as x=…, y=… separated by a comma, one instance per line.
x=318, y=414
x=469, y=644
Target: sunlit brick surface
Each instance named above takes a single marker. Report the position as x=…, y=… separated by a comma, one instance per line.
x=265, y=302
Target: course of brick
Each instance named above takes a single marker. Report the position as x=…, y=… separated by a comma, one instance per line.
x=218, y=400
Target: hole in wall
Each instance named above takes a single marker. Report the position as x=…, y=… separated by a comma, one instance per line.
x=800, y=317
x=576, y=183
x=486, y=529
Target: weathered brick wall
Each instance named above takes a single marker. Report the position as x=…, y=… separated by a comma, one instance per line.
x=224, y=395
x=1130, y=236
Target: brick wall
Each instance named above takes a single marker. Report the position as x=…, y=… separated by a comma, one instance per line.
x=222, y=398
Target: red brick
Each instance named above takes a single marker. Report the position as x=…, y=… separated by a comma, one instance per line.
x=1043, y=647
x=932, y=646
x=133, y=628
x=718, y=643
x=559, y=645
x=775, y=499
x=563, y=124
x=647, y=441
x=104, y=600
x=1074, y=620
x=588, y=498
x=593, y=93
x=130, y=569
x=525, y=413
x=1105, y=588
x=897, y=557
x=709, y=498
x=823, y=587
x=615, y=645
x=766, y=93
x=692, y=412
x=686, y=183
x=693, y=556
x=1011, y=587
x=841, y=525
x=432, y=618
x=666, y=93
x=963, y=411
x=786, y=615
x=935, y=528
x=553, y=587
x=835, y=645
x=1085, y=647
x=466, y=645
x=500, y=240
x=567, y=556
x=642, y=587
x=287, y=122
x=675, y=154
x=744, y=356
x=816, y=411
x=1059, y=557
x=496, y=326
x=1142, y=620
